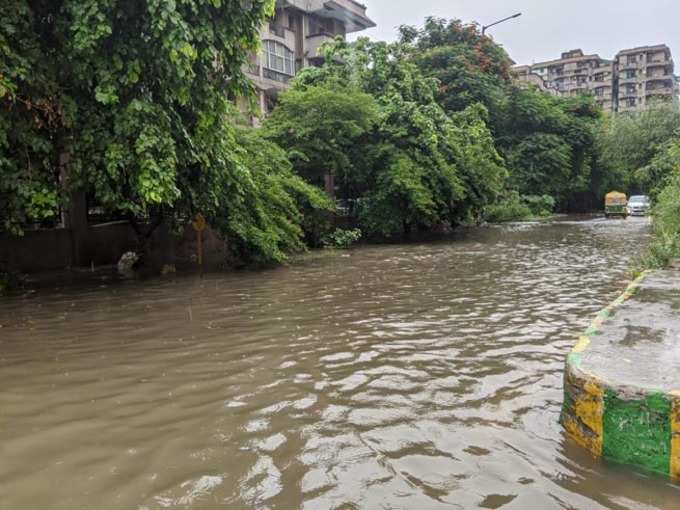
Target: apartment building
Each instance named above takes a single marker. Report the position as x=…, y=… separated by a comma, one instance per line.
x=573, y=74
x=292, y=38
x=526, y=75
x=634, y=80
x=645, y=77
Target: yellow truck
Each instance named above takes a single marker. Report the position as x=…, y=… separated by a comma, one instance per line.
x=616, y=205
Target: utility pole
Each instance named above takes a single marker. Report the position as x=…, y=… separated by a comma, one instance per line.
x=499, y=22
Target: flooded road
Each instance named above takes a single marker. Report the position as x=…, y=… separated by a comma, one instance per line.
x=418, y=376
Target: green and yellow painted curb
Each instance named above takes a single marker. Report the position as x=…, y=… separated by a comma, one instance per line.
x=623, y=424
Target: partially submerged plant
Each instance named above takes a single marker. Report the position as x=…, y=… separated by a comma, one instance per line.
x=342, y=238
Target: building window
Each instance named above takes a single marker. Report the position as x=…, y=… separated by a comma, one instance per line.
x=278, y=58
x=632, y=59
x=631, y=101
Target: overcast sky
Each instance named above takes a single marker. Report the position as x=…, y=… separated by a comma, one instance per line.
x=546, y=27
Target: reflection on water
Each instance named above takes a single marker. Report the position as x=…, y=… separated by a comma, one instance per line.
x=412, y=376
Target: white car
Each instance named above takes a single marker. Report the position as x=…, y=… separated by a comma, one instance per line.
x=639, y=205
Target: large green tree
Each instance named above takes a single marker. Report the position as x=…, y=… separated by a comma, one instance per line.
x=549, y=146
x=325, y=129
x=547, y=142
x=417, y=167
x=131, y=102
x=469, y=66
x=32, y=109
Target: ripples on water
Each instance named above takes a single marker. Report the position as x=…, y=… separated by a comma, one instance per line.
x=414, y=376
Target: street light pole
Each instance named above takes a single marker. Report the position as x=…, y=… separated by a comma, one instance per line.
x=499, y=22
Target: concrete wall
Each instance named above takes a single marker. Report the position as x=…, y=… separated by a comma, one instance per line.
x=50, y=249
x=37, y=250
x=58, y=249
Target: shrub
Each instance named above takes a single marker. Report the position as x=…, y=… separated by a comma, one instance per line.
x=540, y=205
x=510, y=208
x=262, y=203
x=666, y=245
x=342, y=238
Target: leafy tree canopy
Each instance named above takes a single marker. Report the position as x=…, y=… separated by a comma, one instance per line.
x=131, y=102
x=469, y=67
x=324, y=128
x=129, y=93
x=549, y=145
x=416, y=167
x=641, y=148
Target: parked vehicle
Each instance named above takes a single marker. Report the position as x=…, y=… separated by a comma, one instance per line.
x=639, y=205
x=616, y=205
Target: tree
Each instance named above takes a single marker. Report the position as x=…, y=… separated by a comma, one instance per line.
x=639, y=148
x=416, y=168
x=664, y=167
x=549, y=146
x=32, y=107
x=262, y=204
x=541, y=165
x=468, y=66
x=131, y=102
x=324, y=129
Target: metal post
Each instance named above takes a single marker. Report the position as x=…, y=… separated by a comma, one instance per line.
x=499, y=22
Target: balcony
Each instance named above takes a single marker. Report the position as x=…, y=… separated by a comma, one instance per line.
x=652, y=99
x=580, y=91
x=656, y=62
x=253, y=70
x=664, y=91
x=624, y=94
x=602, y=92
x=349, y=12
x=350, y=6
x=627, y=79
x=656, y=77
x=276, y=79
x=314, y=42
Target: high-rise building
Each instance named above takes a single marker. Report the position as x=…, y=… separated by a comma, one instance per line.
x=645, y=77
x=291, y=40
x=634, y=80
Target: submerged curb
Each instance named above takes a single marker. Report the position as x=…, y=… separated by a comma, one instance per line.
x=615, y=420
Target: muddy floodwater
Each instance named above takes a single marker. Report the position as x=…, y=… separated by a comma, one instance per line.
x=415, y=376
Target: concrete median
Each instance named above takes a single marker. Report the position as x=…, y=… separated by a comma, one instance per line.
x=622, y=378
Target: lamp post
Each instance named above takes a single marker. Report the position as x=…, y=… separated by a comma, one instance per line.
x=499, y=22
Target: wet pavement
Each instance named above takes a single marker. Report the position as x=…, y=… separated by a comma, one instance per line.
x=405, y=376
x=639, y=345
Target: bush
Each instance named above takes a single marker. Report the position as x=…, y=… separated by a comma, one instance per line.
x=540, y=205
x=666, y=245
x=342, y=238
x=516, y=207
x=262, y=204
x=510, y=208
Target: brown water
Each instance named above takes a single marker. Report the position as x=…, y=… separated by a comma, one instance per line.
x=414, y=376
